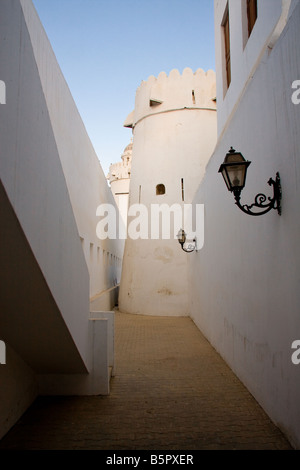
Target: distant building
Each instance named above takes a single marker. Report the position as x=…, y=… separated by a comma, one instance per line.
x=119, y=179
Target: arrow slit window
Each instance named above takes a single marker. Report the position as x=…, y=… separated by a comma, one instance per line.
x=227, y=50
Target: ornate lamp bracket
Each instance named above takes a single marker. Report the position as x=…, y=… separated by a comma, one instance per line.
x=260, y=201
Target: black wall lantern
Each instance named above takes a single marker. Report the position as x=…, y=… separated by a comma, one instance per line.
x=182, y=240
x=234, y=171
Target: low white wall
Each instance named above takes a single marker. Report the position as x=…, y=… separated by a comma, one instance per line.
x=97, y=381
x=110, y=317
x=245, y=281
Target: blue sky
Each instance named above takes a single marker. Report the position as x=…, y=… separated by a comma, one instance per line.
x=105, y=48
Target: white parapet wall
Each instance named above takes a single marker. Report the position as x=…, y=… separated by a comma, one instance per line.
x=97, y=381
x=109, y=317
x=85, y=180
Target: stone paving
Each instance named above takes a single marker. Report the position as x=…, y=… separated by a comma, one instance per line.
x=171, y=391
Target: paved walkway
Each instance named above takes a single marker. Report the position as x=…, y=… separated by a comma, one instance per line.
x=171, y=391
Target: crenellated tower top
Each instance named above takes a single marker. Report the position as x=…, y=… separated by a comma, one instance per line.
x=121, y=170
x=165, y=93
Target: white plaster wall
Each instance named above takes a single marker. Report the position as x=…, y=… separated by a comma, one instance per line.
x=272, y=17
x=16, y=376
x=120, y=190
x=84, y=176
x=172, y=141
x=245, y=281
x=170, y=147
x=33, y=179
x=45, y=283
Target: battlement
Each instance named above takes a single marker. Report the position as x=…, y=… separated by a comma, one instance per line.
x=121, y=170
x=178, y=79
x=118, y=171
x=165, y=93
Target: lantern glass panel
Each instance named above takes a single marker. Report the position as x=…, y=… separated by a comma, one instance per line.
x=226, y=178
x=236, y=175
x=181, y=236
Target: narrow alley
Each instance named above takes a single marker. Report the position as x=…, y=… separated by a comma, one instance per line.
x=171, y=390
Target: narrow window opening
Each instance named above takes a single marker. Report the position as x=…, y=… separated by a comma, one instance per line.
x=160, y=190
x=140, y=193
x=91, y=252
x=154, y=102
x=226, y=29
x=252, y=14
x=182, y=189
x=193, y=96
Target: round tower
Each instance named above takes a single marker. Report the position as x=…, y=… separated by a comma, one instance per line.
x=174, y=134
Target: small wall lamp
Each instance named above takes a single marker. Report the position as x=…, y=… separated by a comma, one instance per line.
x=234, y=172
x=182, y=240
